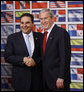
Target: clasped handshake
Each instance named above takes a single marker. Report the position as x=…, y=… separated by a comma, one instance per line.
x=29, y=61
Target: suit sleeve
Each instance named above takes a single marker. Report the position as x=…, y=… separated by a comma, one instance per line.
x=38, y=59
x=65, y=53
x=9, y=54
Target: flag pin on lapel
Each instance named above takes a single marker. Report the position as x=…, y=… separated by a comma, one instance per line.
x=36, y=38
x=51, y=38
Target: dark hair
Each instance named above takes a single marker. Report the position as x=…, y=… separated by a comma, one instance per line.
x=28, y=15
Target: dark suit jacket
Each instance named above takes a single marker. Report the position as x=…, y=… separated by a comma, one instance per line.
x=15, y=51
x=56, y=61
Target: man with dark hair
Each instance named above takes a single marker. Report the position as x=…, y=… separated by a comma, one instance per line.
x=23, y=52
x=28, y=15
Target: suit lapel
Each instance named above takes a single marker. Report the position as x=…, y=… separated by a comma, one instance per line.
x=35, y=43
x=50, y=38
x=23, y=44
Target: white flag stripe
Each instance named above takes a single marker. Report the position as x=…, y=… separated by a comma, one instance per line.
x=73, y=71
x=80, y=76
x=72, y=27
x=76, y=59
x=41, y=1
x=75, y=15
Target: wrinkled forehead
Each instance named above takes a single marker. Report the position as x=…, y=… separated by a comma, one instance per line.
x=44, y=14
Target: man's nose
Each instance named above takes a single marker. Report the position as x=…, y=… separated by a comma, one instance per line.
x=43, y=20
x=24, y=24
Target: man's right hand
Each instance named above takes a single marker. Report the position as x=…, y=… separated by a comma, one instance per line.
x=29, y=61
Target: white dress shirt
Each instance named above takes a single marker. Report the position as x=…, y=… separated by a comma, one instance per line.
x=49, y=30
x=31, y=39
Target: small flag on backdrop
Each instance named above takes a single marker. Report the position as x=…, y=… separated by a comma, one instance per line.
x=57, y=4
x=6, y=83
x=76, y=86
x=77, y=45
x=62, y=25
x=77, y=74
x=36, y=15
x=6, y=70
x=59, y=15
x=39, y=4
x=39, y=28
x=75, y=15
x=6, y=5
x=3, y=43
x=6, y=17
x=22, y=4
x=77, y=59
x=18, y=15
x=76, y=30
x=18, y=28
x=7, y=30
x=75, y=4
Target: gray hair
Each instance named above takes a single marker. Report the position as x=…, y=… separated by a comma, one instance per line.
x=47, y=10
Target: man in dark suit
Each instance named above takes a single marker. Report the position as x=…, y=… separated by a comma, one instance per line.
x=25, y=56
x=56, y=54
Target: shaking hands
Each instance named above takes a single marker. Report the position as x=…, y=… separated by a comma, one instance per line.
x=29, y=61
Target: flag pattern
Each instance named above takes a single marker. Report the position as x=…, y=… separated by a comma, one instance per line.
x=3, y=43
x=6, y=17
x=7, y=5
x=6, y=30
x=77, y=74
x=18, y=15
x=22, y=4
x=18, y=28
x=62, y=25
x=57, y=4
x=36, y=16
x=75, y=30
x=6, y=84
x=75, y=4
x=38, y=28
x=77, y=45
x=75, y=15
x=6, y=70
x=39, y=4
x=67, y=14
x=77, y=59
x=76, y=86
x=59, y=15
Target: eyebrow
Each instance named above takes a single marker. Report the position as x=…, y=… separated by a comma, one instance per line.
x=44, y=17
x=25, y=22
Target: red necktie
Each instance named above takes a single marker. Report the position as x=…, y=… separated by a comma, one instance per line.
x=44, y=42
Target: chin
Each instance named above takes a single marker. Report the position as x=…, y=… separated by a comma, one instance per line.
x=46, y=28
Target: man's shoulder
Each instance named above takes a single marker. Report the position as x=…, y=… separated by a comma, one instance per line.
x=14, y=34
x=61, y=30
x=38, y=34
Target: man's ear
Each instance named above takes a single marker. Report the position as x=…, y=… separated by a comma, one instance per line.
x=53, y=18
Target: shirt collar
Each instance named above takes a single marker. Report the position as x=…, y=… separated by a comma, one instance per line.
x=49, y=30
x=30, y=34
